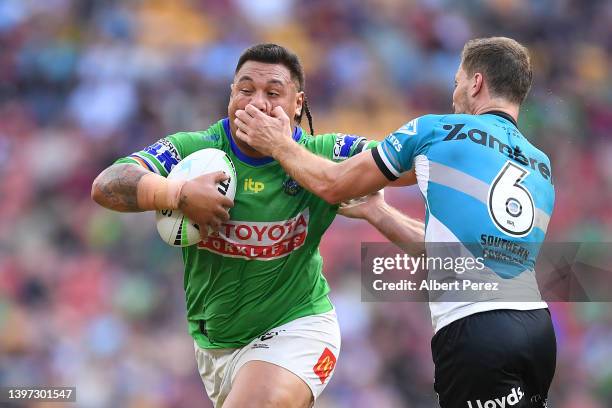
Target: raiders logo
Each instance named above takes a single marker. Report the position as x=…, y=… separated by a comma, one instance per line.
x=291, y=187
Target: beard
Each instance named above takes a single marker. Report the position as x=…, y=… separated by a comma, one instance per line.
x=459, y=109
x=461, y=104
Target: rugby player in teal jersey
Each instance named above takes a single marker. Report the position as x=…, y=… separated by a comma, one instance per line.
x=265, y=332
x=489, y=191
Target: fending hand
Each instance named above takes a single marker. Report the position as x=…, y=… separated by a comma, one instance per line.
x=264, y=133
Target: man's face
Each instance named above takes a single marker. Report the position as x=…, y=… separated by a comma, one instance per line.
x=265, y=86
x=460, y=95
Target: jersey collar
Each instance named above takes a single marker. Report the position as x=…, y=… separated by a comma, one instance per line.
x=253, y=161
x=501, y=115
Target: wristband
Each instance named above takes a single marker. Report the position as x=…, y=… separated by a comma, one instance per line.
x=155, y=192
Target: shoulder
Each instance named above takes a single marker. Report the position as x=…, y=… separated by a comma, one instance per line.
x=188, y=142
x=320, y=144
x=424, y=125
x=214, y=135
x=537, y=152
x=544, y=166
x=336, y=146
x=324, y=137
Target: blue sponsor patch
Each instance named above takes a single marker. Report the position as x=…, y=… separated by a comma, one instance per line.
x=165, y=152
x=342, y=146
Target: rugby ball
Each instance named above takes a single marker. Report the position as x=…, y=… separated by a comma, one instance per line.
x=173, y=227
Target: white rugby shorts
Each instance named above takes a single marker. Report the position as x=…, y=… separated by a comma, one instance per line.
x=308, y=347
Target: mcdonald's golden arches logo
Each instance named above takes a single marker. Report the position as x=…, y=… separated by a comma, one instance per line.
x=325, y=365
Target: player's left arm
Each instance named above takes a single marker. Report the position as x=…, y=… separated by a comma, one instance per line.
x=358, y=176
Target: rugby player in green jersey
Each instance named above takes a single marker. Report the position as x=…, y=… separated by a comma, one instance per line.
x=265, y=332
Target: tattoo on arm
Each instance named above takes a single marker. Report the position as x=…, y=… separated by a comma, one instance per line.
x=116, y=187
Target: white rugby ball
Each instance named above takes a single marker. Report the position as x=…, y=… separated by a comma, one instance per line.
x=173, y=227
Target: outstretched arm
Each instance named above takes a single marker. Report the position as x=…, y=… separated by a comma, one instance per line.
x=405, y=232
x=334, y=182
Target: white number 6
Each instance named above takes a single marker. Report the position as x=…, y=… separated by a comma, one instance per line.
x=510, y=204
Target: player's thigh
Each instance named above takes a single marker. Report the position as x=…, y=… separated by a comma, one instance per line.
x=540, y=367
x=288, y=366
x=265, y=385
x=481, y=361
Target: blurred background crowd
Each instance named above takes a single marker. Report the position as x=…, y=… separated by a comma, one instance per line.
x=94, y=299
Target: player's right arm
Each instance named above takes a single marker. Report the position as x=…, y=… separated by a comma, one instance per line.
x=116, y=188
x=405, y=232
x=139, y=183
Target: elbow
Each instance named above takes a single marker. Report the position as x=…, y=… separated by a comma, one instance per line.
x=330, y=192
x=330, y=195
x=331, y=189
x=97, y=192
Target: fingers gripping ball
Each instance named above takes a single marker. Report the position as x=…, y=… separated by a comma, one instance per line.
x=173, y=227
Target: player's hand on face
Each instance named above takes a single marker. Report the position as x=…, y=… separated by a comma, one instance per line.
x=264, y=133
x=202, y=202
x=362, y=207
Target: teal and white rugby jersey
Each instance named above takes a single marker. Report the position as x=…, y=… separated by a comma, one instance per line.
x=486, y=189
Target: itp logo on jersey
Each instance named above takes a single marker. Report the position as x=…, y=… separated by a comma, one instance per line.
x=253, y=186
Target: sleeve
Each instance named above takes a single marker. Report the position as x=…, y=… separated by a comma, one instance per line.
x=163, y=155
x=339, y=146
x=395, y=155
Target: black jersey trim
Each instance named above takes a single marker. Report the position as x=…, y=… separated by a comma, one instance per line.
x=502, y=115
x=382, y=166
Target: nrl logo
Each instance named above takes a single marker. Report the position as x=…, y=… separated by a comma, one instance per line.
x=291, y=187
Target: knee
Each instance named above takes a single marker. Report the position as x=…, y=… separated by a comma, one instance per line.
x=272, y=397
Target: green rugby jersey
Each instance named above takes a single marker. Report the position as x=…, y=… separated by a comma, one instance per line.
x=263, y=268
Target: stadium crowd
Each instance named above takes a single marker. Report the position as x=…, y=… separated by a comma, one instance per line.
x=94, y=299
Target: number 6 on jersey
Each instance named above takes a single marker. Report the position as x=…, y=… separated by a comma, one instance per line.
x=510, y=204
